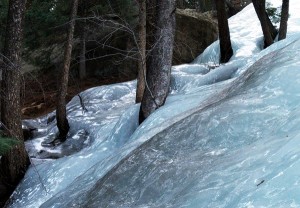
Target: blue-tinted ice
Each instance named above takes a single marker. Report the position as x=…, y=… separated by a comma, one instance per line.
x=227, y=137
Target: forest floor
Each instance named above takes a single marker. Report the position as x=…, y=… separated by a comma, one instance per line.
x=39, y=91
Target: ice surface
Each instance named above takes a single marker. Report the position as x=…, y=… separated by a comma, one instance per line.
x=210, y=158
x=93, y=135
x=228, y=136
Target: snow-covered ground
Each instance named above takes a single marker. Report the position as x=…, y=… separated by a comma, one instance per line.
x=226, y=137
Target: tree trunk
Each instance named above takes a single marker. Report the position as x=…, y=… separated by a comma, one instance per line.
x=260, y=9
x=61, y=115
x=13, y=164
x=142, y=51
x=224, y=35
x=82, y=61
x=272, y=28
x=159, y=62
x=284, y=20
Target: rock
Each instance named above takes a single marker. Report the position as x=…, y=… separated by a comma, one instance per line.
x=29, y=130
x=194, y=32
x=28, y=67
x=33, y=109
x=28, y=133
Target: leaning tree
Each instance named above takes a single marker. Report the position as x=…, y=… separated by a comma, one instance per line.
x=61, y=113
x=268, y=28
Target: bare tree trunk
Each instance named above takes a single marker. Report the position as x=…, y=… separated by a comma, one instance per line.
x=82, y=61
x=159, y=62
x=142, y=51
x=224, y=34
x=272, y=28
x=260, y=9
x=13, y=165
x=61, y=115
x=284, y=20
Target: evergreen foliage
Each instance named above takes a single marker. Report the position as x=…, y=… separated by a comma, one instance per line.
x=6, y=144
x=45, y=20
x=273, y=13
x=3, y=17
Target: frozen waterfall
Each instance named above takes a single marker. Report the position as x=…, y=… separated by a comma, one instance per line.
x=227, y=137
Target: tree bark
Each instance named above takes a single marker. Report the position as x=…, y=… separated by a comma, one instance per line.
x=260, y=9
x=13, y=165
x=61, y=115
x=142, y=51
x=159, y=62
x=224, y=35
x=284, y=19
x=272, y=28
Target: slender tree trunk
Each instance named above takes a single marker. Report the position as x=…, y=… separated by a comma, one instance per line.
x=224, y=34
x=272, y=28
x=284, y=20
x=260, y=9
x=13, y=165
x=159, y=62
x=142, y=51
x=82, y=64
x=61, y=115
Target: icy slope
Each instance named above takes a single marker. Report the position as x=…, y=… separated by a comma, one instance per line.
x=240, y=150
x=227, y=137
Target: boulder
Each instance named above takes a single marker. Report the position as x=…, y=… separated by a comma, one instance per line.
x=194, y=32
